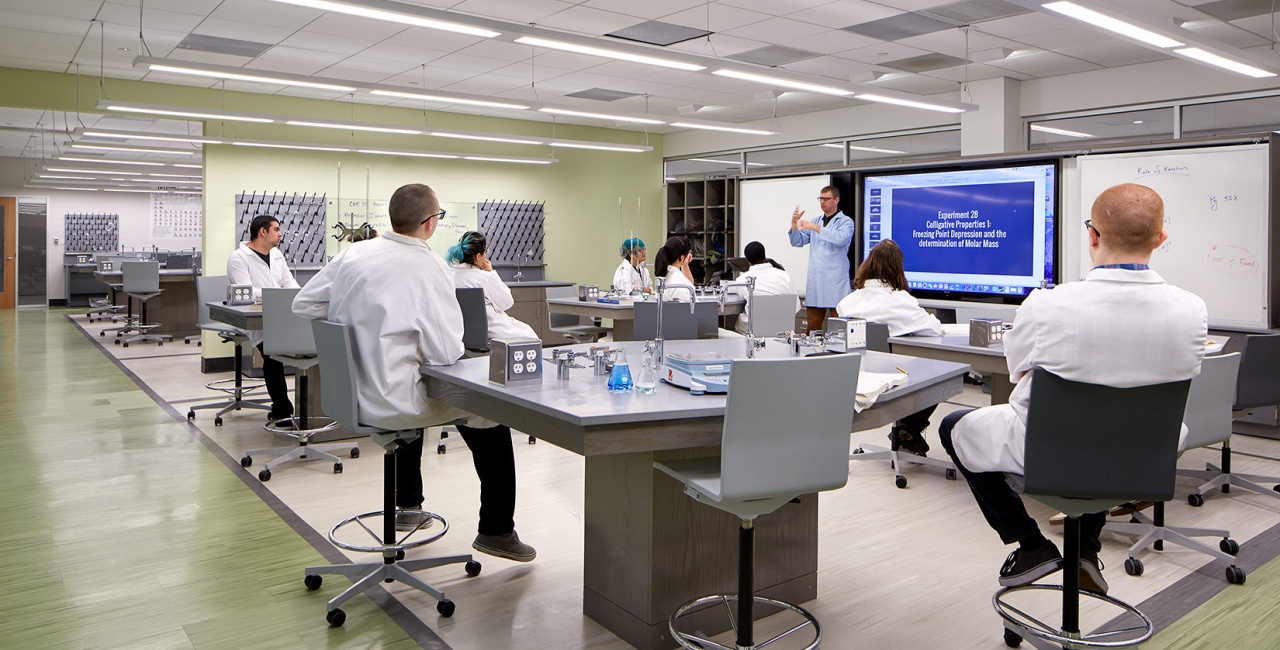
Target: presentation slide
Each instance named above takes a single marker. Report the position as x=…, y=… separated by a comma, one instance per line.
x=975, y=231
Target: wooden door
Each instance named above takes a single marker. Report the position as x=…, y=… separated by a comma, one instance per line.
x=8, y=252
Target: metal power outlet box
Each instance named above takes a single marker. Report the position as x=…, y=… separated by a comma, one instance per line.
x=846, y=334
x=513, y=360
x=239, y=294
x=985, y=332
x=588, y=292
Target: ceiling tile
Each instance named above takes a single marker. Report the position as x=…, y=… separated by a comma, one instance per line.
x=16, y=42
x=371, y=64
x=36, y=22
x=912, y=5
x=433, y=39
x=919, y=84
x=1025, y=25
x=529, y=71
x=1045, y=64
x=294, y=60
x=715, y=17
x=1246, y=32
x=882, y=52
x=649, y=9
x=257, y=32
x=718, y=45
x=511, y=52
x=413, y=80
x=844, y=12
x=1113, y=54
x=567, y=60
x=625, y=69
x=585, y=20
x=827, y=66
x=76, y=9
x=779, y=30
x=352, y=74
x=468, y=63
x=352, y=27
x=976, y=72
x=308, y=40
x=834, y=41
x=402, y=53
x=264, y=12
x=776, y=7
x=525, y=11
x=152, y=18
x=485, y=85
x=954, y=42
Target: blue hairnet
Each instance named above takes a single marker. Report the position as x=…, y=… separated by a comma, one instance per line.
x=630, y=246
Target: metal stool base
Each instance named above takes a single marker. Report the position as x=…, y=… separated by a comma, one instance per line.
x=1048, y=637
x=699, y=640
x=401, y=544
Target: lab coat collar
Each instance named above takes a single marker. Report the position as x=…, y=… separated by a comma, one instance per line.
x=405, y=239
x=875, y=284
x=1124, y=275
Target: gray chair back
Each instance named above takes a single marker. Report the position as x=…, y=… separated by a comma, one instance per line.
x=180, y=261
x=283, y=332
x=1088, y=444
x=773, y=447
x=141, y=277
x=338, y=392
x=772, y=314
x=558, y=321
x=209, y=289
x=1208, y=413
x=475, y=319
x=677, y=323
x=1259, y=379
x=877, y=336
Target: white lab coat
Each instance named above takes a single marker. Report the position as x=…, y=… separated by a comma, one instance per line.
x=398, y=296
x=770, y=281
x=827, y=280
x=245, y=267
x=1116, y=327
x=629, y=278
x=881, y=303
x=675, y=278
x=497, y=299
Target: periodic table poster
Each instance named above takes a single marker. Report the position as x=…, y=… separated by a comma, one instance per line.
x=175, y=216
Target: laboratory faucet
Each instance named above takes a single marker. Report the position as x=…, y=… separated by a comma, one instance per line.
x=750, y=283
x=602, y=358
x=795, y=341
x=693, y=302
x=563, y=358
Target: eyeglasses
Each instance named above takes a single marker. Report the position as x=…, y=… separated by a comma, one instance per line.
x=439, y=214
x=826, y=198
x=1088, y=223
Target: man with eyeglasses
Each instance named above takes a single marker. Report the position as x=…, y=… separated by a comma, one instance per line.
x=1121, y=326
x=828, y=239
x=398, y=297
x=259, y=262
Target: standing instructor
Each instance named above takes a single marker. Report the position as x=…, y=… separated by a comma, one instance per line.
x=829, y=237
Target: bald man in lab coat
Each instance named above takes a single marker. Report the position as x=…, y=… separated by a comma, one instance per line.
x=1121, y=326
x=398, y=297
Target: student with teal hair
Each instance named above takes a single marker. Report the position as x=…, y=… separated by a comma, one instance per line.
x=472, y=270
x=632, y=276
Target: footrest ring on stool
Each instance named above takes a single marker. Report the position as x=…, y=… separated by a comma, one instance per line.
x=229, y=385
x=274, y=425
x=403, y=544
x=1020, y=622
x=694, y=642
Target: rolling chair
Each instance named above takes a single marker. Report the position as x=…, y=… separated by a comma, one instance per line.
x=338, y=395
x=475, y=340
x=208, y=289
x=1088, y=448
x=287, y=338
x=772, y=314
x=766, y=461
x=878, y=341
x=142, y=281
x=110, y=265
x=678, y=322
x=569, y=325
x=1257, y=385
x=105, y=308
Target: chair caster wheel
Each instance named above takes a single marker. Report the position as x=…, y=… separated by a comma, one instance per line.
x=191, y=415
x=440, y=449
x=246, y=461
x=355, y=452
x=313, y=582
x=126, y=344
x=445, y=608
x=159, y=344
x=900, y=481
x=399, y=555
x=337, y=468
x=1235, y=575
x=336, y=618
x=217, y=421
x=473, y=568
x=117, y=341
x=1012, y=639
x=102, y=333
x=1275, y=487
x=1229, y=546
x=534, y=441
x=264, y=475
x=1133, y=566
x=951, y=475
x=859, y=450
x=1195, y=500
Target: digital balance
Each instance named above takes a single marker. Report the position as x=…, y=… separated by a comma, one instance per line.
x=700, y=372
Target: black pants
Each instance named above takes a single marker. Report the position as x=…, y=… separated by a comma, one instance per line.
x=918, y=421
x=495, y=461
x=277, y=387
x=1002, y=506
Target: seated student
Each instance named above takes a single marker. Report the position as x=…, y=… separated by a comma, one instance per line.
x=771, y=280
x=632, y=276
x=672, y=264
x=472, y=270
x=880, y=295
x=1122, y=326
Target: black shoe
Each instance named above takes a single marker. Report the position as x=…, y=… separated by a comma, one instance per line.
x=1091, y=573
x=279, y=415
x=911, y=442
x=1024, y=567
x=894, y=443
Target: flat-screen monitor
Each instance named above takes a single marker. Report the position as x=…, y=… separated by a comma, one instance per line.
x=976, y=233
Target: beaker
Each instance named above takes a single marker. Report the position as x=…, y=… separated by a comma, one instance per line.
x=620, y=376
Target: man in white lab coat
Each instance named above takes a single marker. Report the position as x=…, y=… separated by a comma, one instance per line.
x=828, y=239
x=260, y=263
x=1121, y=326
x=398, y=297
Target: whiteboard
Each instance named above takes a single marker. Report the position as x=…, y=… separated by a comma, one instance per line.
x=764, y=215
x=1216, y=204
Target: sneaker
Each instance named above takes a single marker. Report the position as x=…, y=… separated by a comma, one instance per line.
x=1024, y=567
x=506, y=546
x=412, y=520
x=912, y=442
x=1091, y=573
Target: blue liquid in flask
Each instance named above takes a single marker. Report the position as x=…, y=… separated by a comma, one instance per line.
x=620, y=378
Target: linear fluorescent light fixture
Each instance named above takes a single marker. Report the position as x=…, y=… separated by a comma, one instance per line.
x=278, y=145
x=411, y=154
x=527, y=161
x=609, y=54
x=405, y=16
x=189, y=166
x=784, y=83
x=106, y=172
x=911, y=103
x=110, y=162
x=601, y=147
x=727, y=162
x=96, y=147
x=354, y=127
x=165, y=180
x=726, y=129
x=444, y=99
x=176, y=175
x=234, y=74
x=128, y=135
x=857, y=148
x=1057, y=131
x=66, y=178
x=486, y=138
x=600, y=116
x=151, y=110
x=1223, y=62
x=1083, y=14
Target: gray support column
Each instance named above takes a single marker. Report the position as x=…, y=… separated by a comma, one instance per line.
x=996, y=127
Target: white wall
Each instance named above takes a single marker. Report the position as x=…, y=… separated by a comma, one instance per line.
x=134, y=210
